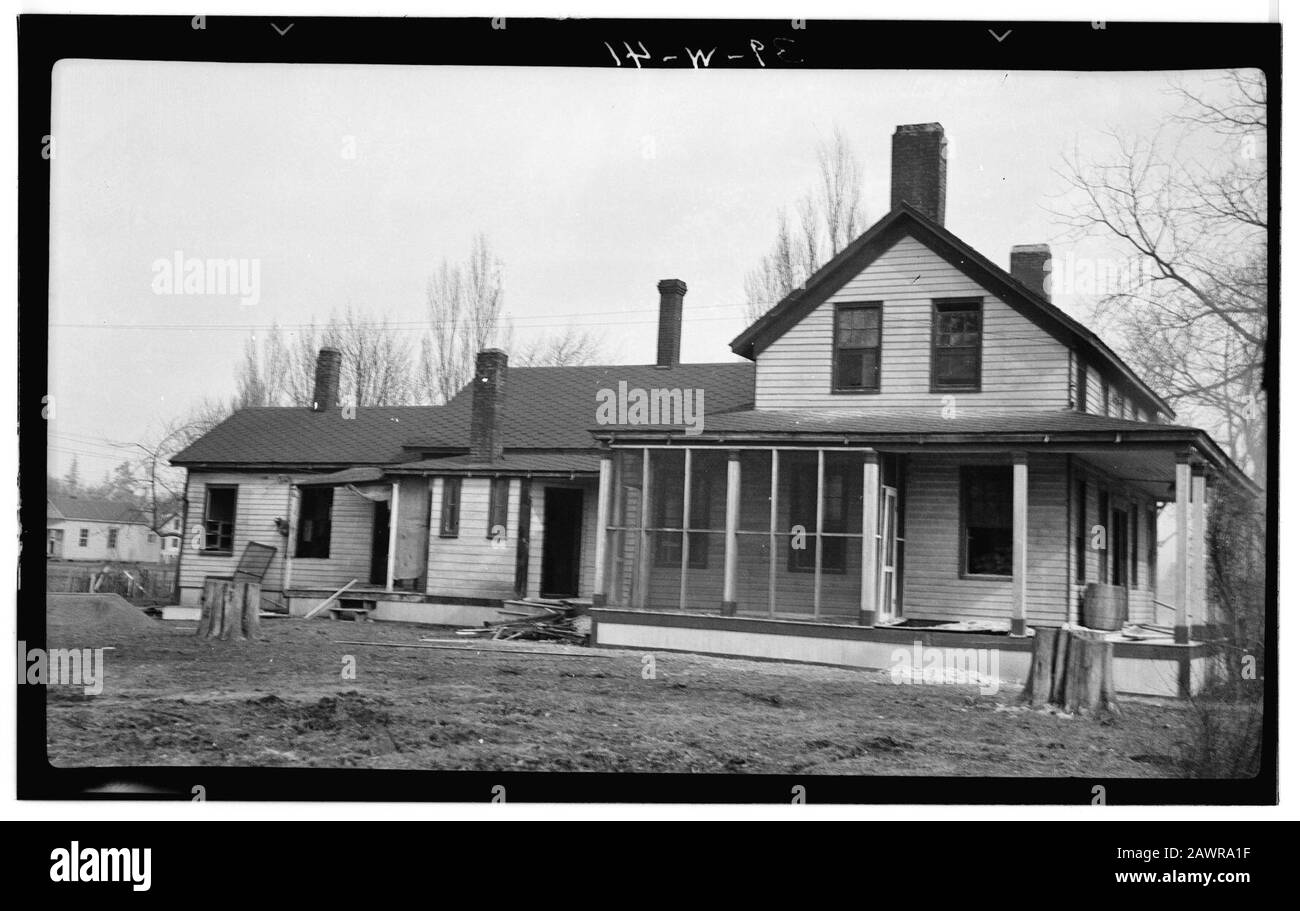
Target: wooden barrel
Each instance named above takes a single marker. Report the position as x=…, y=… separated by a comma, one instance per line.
x=1105, y=606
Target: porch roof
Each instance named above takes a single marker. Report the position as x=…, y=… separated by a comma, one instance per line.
x=899, y=430
x=510, y=464
x=360, y=475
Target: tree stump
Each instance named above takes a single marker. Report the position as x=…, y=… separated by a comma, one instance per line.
x=1072, y=669
x=230, y=609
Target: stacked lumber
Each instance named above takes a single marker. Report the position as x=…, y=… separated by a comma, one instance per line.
x=1073, y=669
x=548, y=621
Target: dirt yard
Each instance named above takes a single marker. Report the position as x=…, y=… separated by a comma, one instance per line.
x=170, y=698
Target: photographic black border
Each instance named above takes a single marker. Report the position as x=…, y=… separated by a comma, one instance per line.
x=818, y=44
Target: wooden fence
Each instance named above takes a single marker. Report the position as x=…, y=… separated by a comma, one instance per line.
x=133, y=581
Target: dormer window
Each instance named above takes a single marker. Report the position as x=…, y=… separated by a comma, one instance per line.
x=857, y=347
x=957, y=335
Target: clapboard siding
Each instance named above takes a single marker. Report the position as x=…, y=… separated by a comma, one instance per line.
x=351, y=525
x=933, y=588
x=261, y=499
x=473, y=565
x=1023, y=366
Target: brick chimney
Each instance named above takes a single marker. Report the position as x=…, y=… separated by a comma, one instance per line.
x=489, y=402
x=1031, y=265
x=919, y=168
x=329, y=364
x=671, y=292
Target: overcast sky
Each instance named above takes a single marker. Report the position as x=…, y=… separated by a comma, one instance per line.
x=591, y=185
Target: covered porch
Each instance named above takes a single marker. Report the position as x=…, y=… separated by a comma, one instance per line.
x=848, y=540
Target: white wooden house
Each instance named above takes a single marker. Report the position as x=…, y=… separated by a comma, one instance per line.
x=97, y=530
x=916, y=437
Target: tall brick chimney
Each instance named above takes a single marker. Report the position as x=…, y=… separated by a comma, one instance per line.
x=1031, y=265
x=329, y=364
x=671, y=292
x=919, y=168
x=488, y=407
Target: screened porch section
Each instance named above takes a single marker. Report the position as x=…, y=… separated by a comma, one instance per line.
x=756, y=532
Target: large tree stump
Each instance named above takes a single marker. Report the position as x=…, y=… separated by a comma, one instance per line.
x=230, y=609
x=1072, y=669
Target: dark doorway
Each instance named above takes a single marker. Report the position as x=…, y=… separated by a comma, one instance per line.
x=1119, y=547
x=379, y=545
x=562, y=544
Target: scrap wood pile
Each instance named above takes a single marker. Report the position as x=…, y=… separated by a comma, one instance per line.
x=548, y=621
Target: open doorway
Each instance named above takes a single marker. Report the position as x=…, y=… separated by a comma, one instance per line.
x=562, y=544
x=379, y=545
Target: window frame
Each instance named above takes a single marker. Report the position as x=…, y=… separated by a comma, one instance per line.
x=208, y=490
x=879, y=308
x=498, y=506
x=1081, y=385
x=949, y=305
x=83, y=537
x=316, y=550
x=449, y=509
x=963, y=542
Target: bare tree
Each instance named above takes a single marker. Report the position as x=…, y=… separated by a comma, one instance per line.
x=570, y=348
x=465, y=307
x=1190, y=211
x=828, y=218
x=376, y=368
x=465, y=303
x=264, y=375
x=162, y=484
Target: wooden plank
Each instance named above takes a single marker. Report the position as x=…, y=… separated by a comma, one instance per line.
x=320, y=607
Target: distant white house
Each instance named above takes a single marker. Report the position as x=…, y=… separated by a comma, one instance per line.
x=171, y=540
x=83, y=528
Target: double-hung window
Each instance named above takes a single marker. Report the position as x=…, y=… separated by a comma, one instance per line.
x=956, y=343
x=857, y=348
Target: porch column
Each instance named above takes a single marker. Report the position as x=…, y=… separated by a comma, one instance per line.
x=684, y=573
x=1019, y=541
x=1182, y=559
x=729, y=539
x=1196, y=612
x=392, y=536
x=640, y=584
x=870, y=532
x=602, y=520
x=289, y=539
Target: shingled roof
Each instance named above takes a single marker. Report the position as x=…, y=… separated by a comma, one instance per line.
x=548, y=408
x=884, y=422
x=302, y=437
x=555, y=407
x=91, y=509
